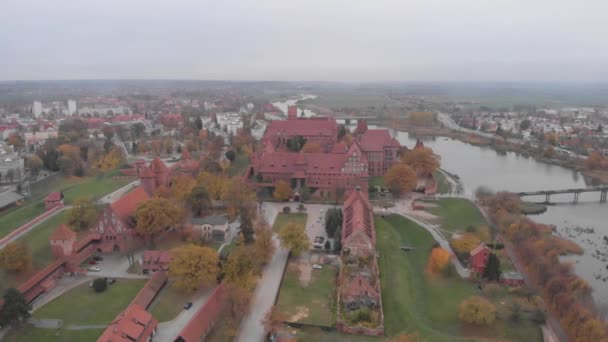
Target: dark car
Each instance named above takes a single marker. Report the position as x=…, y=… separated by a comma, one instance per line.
x=188, y=305
x=98, y=258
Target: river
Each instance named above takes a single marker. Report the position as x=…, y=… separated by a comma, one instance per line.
x=583, y=222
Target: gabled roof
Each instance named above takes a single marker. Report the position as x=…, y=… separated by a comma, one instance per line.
x=478, y=249
x=133, y=324
x=377, y=139
x=156, y=257
x=359, y=286
x=317, y=126
x=358, y=219
x=62, y=233
x=54, y=196
x=127, y=204
x=158, y=166
x=211, y=219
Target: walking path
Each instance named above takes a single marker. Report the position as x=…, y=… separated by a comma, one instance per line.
x=168, y=331
x=264, y=297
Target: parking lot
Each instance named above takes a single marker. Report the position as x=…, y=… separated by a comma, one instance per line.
x=314, y=226
x=114, y=265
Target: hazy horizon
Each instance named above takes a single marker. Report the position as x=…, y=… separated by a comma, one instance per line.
x=383, y=41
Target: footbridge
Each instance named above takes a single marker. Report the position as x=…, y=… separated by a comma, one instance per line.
x=603, y=190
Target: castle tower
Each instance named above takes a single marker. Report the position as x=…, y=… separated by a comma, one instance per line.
x=292, y=112
x=147, y=180
x=62, y=241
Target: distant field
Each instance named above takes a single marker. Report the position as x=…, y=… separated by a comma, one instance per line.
x=29, y=333
x=457, y=214
x=355, y=100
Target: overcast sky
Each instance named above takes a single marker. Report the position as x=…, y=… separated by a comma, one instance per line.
x=354, y=40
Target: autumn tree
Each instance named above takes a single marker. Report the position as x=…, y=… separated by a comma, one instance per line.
x=181, y=187
x=110, y=160
x=83, y=214
x=595, y=161
x=199, y=200
x=215, y=184
x=34, y=164
x=230, y=155
x=240, y=268
x=282, y=191
x=477, y=310
x=400, y=178
x=293, y=236
x=155, y=215
x=421, y=118
x=246, y=217
x=263, y=247
x=15, y=257
x=274, y=320
x=465, y=243
x=438, y=260
x=193, y=266
x=237, y=195
x=311, y=147
x=492, y=270
x=422, y=159
x=15, y=309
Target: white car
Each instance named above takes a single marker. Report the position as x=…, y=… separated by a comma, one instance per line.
x=317, y=267
x=94, y=269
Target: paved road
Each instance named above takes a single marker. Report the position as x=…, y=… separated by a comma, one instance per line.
x=252, y=329
x=168, y=331
x=115, y=265
x=114, y=196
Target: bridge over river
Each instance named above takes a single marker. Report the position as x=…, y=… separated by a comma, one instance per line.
x=603, y=190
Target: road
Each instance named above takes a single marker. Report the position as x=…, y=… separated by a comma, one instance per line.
x=114, y=196
x=265, y=294
x=168, y=331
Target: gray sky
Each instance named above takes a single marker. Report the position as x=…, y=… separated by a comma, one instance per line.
x=355, y=40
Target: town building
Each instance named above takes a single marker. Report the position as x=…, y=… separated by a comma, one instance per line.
x=211, y=228
x=359, y=279
x=135, y=324
x=37, y=109
x=478, y=258
x=63, y=241
x=154, y=261
x=319, y=130
x=53, y=200
x=40, y=137
x=379, y=148
x=72, y=108
x=11, y=165
x=511, y=279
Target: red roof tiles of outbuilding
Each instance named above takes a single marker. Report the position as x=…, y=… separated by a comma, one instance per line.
x=54, y=196
x=377, y=139
x=62, y=233
x=127, y=204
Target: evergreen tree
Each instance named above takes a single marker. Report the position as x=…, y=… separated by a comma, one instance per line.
x=246, y=224
x=15, y=309
x=492, y=270
x=199, y=123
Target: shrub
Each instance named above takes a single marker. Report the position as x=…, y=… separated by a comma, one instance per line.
x=477, y=310
x=286, y=210
x=100, y=285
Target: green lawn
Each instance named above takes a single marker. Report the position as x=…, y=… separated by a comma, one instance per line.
x=29, y=334
x=413, y=301
x=38, y=239
x=239, y=165
x=376, y=181
x=313, y=303
x=456, y=214
x=443, y=185
x=82, y=305
x=282, y=219
x=72, y=189
x=169, y=303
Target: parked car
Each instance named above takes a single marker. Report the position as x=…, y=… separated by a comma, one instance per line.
x=317, y=267
x=188, y=305
x=98, y=258
x=92, y=262
x=94, y=269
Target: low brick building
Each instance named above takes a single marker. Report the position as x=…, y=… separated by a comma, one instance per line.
x=154, y=261
x=478, y=258
x=53, y=200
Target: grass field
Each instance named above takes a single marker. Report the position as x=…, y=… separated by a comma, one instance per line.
x=282, y=219
x=169, y=303
x=313, y=303
x=38, y=239
x=72, y=188
x=239, y=165
x=457, y=214
x=83, y=306
x=414, y=301
x=29, y=334
x=443, y=185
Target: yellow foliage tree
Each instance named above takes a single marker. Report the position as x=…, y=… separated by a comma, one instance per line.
x=347, y=138
x=110, y=161
x=15, y=257
x=240, y=269
x=263, y=247
x=477, y=310
x=71, y=151
x=465, y=243
x=237, y=195
x=421, y=118
x=282, y=191
x=311, y=147
x=423, y=160
x=293, y=236
x=182, y=186
x=193, y=266
x=215, y=184
x=438, y=260
x=155, y=215
x=400, y=178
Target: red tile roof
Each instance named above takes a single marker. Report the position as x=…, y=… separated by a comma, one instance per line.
x=377, y=139
x=150, y=290
x=133, y=324
x=358, y=221
x=127, y=204
x=303, y=127
x=62, y=233
x=288, y=162
x=54, y=196
x=198, y=326
x=156, y=257
x=358, y=286
x=157, y=166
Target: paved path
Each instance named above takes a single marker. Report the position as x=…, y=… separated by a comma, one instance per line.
x=264, y=297
x=431, y=228
x=46, y=323
x=62, y=286
x=168, y=331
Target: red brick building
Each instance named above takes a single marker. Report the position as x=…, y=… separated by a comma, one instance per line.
x=359, y=279
x=154, y=261
x=478, y=258
x=63, y=241
x=53, y=200
x=135, y=324
x=337, y=170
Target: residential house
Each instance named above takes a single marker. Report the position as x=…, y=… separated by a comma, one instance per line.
x=211, y=228
x=53, y=200
x=478, y=258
